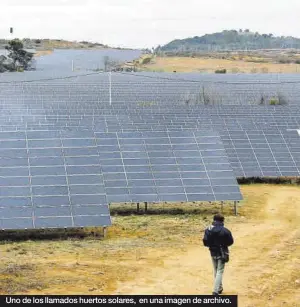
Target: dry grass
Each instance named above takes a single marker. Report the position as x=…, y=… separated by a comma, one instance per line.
x=19, y=277
x=146, y=253
x=246, y=65
x=40, y=53
x=62, y=44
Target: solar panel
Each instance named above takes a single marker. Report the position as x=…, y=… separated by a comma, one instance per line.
x=165, y=166
x=51, y=180
x=263, y=153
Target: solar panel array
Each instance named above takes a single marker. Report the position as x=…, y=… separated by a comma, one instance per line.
x=149, y=145
x=50, y=180
x=66, y=178
x=166, y=166
x=163, y=89
x=263, y=153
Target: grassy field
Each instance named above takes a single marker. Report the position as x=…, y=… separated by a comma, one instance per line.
x=189, y=64
x=162, y=253
x=40, y=53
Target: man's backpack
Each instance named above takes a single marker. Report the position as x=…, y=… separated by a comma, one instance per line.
x=224, y=254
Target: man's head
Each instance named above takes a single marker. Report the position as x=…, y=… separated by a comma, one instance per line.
x=219, y=218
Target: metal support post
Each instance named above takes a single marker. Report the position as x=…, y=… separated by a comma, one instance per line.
x=104, y=232
x=235, y=208
x=109, y=76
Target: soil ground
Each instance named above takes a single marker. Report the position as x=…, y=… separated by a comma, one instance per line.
x=189, y=64
x=40, y=53
x=162, y=253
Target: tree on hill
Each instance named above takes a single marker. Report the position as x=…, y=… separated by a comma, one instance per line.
x=20, y=57
x=228, y=40
x=109, y=63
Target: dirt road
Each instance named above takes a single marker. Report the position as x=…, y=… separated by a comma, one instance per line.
x=264, y=269
x=162, y=253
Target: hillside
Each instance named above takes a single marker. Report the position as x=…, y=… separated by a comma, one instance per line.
x=49, y=44
x=230, y=40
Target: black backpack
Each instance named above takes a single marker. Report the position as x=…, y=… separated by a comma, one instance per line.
x=224, y=254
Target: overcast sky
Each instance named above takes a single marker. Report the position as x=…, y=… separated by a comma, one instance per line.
x=144, y=23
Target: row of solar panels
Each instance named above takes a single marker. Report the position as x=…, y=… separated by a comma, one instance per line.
x=164, y=90
x=62, y=177
x=251, y=153
x=15, y=116
x=144, y=107
x=24, y=115
x=159, y=88
x=207, y=77
x=67, y=179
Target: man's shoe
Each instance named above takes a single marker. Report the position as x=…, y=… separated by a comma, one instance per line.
x=215, y=293
x=220, y=291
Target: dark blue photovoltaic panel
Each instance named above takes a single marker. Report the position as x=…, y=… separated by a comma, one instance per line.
x=263, y=153
x=56, y=185
x=145, y=167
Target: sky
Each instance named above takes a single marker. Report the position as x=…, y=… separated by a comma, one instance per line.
x=144, y=23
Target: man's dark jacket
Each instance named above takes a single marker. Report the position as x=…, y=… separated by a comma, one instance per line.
x=216, y=235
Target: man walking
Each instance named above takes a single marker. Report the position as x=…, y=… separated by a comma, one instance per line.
x=218, y=238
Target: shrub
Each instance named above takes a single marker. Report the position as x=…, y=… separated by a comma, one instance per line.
x=297, y=61
x=187, y=98
x=262, y=100
x=208, y=96
x=18, y=56
x=284, y=61
x=146, y=61
x=264, y=70
x=256, y=60
x=221, y=71
x=269, y=180
x=235, y=70
x=273, y=101
x=282, y=100
x=277, y=99
x=204, y=96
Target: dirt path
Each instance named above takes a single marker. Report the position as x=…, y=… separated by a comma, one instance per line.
x=268, y=241
x=163, y=254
